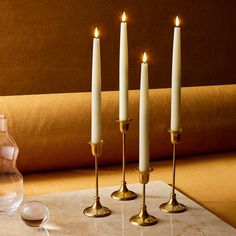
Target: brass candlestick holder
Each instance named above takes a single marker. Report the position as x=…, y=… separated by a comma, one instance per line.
x=123, y=194
x=172, y=206
x=96, y=210
x=143, y=218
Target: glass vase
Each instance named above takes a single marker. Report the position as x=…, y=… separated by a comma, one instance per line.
x=11, y=180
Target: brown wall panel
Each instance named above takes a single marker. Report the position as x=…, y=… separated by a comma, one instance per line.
x=46, y=45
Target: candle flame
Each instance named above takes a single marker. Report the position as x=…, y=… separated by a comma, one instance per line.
x=123, y=17
x=177, y=22
x=144, y=57
x=96, y=33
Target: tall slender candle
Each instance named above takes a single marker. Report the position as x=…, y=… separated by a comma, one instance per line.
x=176, y=80
x=123, y=71
x=144, y=118
x=96, y=90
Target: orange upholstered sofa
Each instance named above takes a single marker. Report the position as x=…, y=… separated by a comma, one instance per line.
x=53, y=130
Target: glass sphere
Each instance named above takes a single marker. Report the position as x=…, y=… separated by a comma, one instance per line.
x=35, y=214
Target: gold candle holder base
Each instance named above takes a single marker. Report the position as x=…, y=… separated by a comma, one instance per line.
x=172, y=206
x=123, y=194
x=143, y=218
x=96, y=210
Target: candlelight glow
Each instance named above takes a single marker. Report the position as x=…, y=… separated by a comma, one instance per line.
x=124, y=17
x=144, y=57
x=177, y=21
x=96, y=33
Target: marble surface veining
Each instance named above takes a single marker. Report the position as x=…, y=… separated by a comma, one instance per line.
x=67, y=218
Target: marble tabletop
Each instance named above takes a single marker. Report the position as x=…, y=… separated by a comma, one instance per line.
x=67, y=218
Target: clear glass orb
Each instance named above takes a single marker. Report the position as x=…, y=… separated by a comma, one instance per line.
x=35, y=214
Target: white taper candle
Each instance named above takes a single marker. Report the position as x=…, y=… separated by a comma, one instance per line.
x=96, y=90
x=123, y=71
x=144, y=118
x=176, y=80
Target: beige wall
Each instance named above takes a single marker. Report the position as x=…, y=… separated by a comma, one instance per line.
x=45, y=46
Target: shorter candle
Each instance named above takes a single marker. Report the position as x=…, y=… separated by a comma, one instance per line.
x=144, y=118
x=96, y=90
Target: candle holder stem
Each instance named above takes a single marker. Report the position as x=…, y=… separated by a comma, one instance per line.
x=174, y=164
x=144, y=194
x=96, y=210
x=123, y=194
x=96, y=174
x=123, y=155
x=143, y=218
x=173, y=206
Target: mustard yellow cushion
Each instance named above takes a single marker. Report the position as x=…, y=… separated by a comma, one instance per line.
x=53, y=130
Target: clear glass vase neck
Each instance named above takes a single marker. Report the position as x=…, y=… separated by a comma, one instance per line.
x=3, y=124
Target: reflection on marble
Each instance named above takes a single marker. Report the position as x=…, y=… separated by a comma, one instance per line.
x=67, y=218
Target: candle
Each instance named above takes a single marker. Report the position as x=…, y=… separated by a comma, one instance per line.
x=176, y=80
x=144, y=118
x=96, y=90
x=123, y=71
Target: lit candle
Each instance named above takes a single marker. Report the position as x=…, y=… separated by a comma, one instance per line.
x=176, y=80
x=123, y=71
x=144, y=118
x=96, y=90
